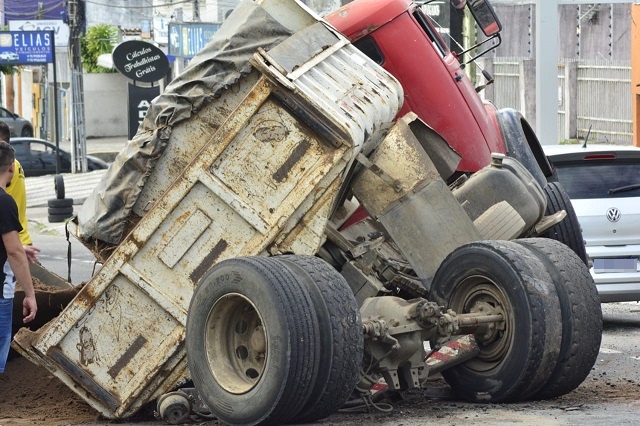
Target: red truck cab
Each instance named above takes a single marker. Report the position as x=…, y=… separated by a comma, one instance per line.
x=400, y=37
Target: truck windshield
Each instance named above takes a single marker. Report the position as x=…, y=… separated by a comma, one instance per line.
x=431, y=32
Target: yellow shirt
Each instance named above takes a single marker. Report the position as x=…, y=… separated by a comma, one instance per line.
x=18, y=191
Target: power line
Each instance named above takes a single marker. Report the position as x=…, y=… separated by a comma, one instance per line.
x=34, y=12
x=138, y=7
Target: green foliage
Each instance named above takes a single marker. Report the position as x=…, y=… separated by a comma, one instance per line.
x=9, y=69
x=98, y=40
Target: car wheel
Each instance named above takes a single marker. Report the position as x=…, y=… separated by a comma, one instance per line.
x=568, y=231
x=252, y=341
x=55, y=203
x=518, y=355
x=57, y=218
x=68, y=211
x=581, y=315
x=58, y=184
x=341, y=338
x=27, y=132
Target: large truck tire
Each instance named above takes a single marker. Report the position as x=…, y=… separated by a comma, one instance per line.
x=58, y=185
x=581, y=315
x=252, y=341
x=518, y=356
x=568, y=231
x=341, y=337
x=522, y=144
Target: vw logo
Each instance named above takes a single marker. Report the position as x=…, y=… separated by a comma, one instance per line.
x=613, y=214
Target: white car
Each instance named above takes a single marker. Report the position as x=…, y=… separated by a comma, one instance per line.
x=9, y=56
x=603, y=183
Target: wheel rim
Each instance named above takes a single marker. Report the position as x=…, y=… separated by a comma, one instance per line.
x=235, y=343
x=481, y=295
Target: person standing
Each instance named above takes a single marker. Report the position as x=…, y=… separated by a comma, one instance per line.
x=17, y=189
x=13, y=258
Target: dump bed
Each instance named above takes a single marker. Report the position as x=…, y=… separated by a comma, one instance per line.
x=265, y=182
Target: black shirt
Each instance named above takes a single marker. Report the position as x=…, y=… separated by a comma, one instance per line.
x=8, y=222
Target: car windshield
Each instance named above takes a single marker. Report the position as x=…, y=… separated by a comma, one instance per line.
x=600, y=179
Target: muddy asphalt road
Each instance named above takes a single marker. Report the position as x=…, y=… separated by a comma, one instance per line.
x=610, y=395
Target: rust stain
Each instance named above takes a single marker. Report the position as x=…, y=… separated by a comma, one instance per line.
x=271, y=131
x=298, y=152
x=127, y=356
x=208, y=261
x=87, y=347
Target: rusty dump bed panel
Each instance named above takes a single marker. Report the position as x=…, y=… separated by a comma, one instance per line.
x=264, y=184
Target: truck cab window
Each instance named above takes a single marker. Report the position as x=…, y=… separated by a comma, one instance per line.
x=431, y=32
x=369, y=47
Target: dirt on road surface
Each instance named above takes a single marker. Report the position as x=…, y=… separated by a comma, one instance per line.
x=29, y=395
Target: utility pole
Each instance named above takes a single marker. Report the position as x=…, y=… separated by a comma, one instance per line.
x=79, y=141
x=40, y=13
x=196, y=10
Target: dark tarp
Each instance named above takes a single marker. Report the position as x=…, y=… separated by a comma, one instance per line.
x=223, y=61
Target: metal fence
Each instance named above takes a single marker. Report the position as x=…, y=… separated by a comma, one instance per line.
x=603, y=100
x=507, y=84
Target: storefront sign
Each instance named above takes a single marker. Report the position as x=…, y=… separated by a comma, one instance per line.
x=140, y=61
x=139, y=100
x=59, y=28
x=26, y=47
x=187, y=39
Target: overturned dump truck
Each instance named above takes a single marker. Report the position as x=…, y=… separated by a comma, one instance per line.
x=237, y=283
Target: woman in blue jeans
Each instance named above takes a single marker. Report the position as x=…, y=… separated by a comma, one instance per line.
x=13, y=259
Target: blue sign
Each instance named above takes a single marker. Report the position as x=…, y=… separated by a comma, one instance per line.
x=187, y=39
x=26, y=47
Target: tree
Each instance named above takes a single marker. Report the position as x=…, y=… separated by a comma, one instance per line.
x=98, y=40
x=8, y=69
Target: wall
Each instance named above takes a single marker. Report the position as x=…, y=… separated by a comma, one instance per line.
x=127, y=14
x=587, y=31
x=105, y=105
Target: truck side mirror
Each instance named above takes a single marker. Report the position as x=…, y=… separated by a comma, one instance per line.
x=485, y=16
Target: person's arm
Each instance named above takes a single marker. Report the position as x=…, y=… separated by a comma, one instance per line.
x=20, y=266
x=32, y=253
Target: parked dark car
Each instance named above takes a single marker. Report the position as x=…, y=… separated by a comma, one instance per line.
x=18, y=125
x=38, y=157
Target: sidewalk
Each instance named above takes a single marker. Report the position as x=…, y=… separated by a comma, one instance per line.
x=77, y=185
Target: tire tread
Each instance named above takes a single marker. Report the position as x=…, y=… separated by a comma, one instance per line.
x=568, y=231
x=347, y=341
x=581, y=316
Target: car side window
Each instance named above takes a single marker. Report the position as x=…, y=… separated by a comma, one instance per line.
x=4, y=113
x=40, y=149
x=21, y=148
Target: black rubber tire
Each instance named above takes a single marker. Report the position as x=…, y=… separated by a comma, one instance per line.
x=27, y=132
x=581, y=315
x=521, y=354
x=68, y=211
x=568, y=231
x=55, y=203
x=57, y=218
x=342, y=339
x=245, y=306
x=58, y=184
